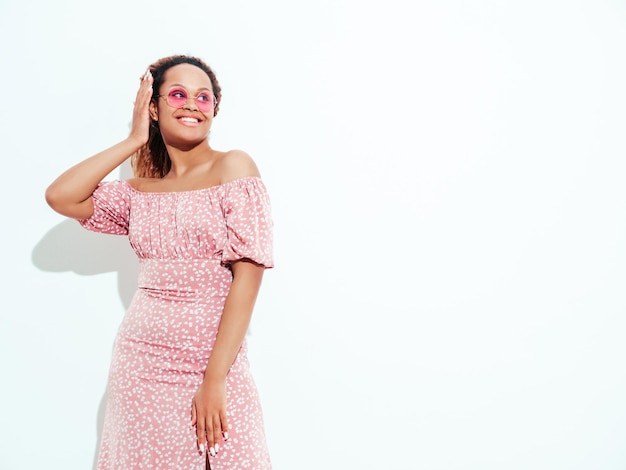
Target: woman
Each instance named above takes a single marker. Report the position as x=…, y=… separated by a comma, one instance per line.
x=180, y=394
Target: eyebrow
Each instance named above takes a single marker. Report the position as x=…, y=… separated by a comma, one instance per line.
x=183, y=86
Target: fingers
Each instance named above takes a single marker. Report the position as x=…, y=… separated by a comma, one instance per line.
x=210, y=435
x=209, y=432
x=200, y=434
x=217, y=435
x=141, y=115
x=144, y=94
x=224, y=422
x=205, y=432
x=146, y=78
x=146, y=74
x=208, y=414
x=213, y=433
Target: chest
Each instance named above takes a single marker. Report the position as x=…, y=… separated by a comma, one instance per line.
x=176, y=225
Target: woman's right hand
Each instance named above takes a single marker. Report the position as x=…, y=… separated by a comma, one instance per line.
x=70, y=193
x=141, y=112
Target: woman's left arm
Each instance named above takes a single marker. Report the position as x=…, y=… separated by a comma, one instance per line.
x=209, y=403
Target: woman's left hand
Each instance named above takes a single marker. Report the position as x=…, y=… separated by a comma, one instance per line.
x=208, y=415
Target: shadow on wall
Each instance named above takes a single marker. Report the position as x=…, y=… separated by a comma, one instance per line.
x=69, y=247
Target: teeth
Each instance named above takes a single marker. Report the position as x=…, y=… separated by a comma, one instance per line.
x=188, y=119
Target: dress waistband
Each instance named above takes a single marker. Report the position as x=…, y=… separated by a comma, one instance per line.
x=183, y=278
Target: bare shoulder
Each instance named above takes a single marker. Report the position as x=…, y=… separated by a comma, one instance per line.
x=143, y=184
x=135, y=183
x=235, y=164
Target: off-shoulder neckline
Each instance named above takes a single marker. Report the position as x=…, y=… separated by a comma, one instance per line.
x=208, y=188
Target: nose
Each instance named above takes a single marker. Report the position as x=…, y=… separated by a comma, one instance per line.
x=191, y=104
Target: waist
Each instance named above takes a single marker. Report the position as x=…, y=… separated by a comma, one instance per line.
x=183, y=278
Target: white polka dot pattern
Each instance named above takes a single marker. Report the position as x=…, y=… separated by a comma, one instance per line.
x=185, y=242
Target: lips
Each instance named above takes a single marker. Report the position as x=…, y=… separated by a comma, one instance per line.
x=189, y=120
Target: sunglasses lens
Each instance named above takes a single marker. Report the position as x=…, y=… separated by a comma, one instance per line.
x=178, y=99
x=204, y=102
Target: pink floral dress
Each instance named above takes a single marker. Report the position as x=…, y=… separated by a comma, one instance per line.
x=185, y=242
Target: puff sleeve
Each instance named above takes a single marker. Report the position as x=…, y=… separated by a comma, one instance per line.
x=111, y=209
x=249, y=224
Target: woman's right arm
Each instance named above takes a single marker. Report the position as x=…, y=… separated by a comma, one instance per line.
x=70, y=193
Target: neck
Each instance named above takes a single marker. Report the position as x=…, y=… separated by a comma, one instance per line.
x=185, y=161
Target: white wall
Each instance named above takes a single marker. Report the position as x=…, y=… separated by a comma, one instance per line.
x=447, y=183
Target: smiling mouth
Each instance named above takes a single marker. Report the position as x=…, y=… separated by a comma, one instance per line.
x=189, y=119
